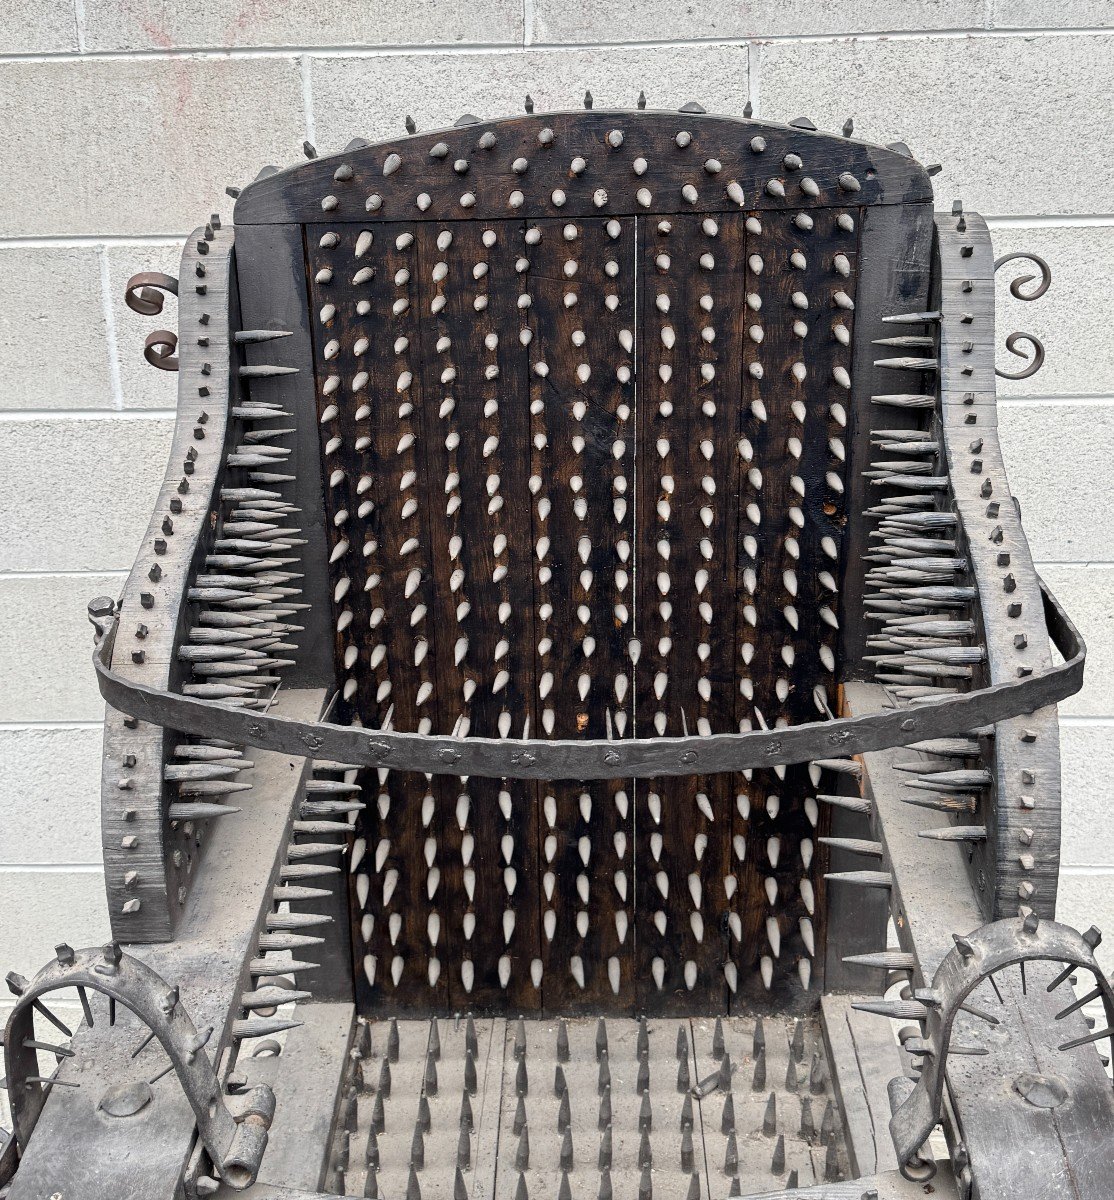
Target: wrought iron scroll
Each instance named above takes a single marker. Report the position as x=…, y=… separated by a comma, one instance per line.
x=143, y=295
x=1015, y=339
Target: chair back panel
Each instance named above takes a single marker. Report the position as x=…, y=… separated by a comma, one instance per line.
x=585, y=466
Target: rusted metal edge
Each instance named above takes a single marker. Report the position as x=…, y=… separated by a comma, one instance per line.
x=639, y=758
x=1020, y=858
x=140, y=877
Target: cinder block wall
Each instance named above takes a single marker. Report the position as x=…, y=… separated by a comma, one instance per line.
x=124, y=120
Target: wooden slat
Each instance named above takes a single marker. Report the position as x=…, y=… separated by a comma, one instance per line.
x=690, y=392
x=368, y=359
x=581, y=322
x=583, y=164
x=474, y=483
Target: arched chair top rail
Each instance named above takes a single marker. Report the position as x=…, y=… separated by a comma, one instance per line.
x=590, y=163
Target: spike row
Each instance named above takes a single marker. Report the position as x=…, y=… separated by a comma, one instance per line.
x=926, y=642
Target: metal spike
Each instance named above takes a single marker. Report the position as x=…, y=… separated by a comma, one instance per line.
x=562, y=1041
x=601, y=1039
x=684, y=1079
x=877, y=879
x=898, y=1010
x=261, y=1027
x=955, y=833
x=769, y=1118
x=885, y=960
x=758, y=1083
x=1081, y=1041
x=828, y=1124
x=854, y=845
x=727, y=1120
x=606, y=1150
x=392, y=1041
x=797, y=1046
x=777, y=1163
x=645, y=1151
x=791, y=1081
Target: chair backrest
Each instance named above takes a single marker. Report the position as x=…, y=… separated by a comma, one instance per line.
x=586, y=386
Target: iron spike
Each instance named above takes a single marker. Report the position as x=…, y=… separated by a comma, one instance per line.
x=731, y=1155
x=777, y=1163
x=758, y=1083
x=877, y=879
x=264, y=967
x=858, y=804
x=769, y=1118
x=797, y=1046
x=261, y=1027
x=861, y=846
x=199, y=811
x=955, y=833
x=606, y=1150
x=898, y=1010
x=884, y=960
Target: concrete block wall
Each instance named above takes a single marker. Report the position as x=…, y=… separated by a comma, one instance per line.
x=125, y=120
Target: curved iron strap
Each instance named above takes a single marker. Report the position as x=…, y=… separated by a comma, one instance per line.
x=975, y=957
x=639, y=758
x=1034, y=365
x=142, y=294
x=1021, y=280
x=234, y=1144
x=159, y=349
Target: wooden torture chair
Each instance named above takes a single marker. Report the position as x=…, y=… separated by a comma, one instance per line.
x=582, y=719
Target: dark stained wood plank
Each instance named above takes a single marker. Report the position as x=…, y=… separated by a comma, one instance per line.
x=799, y=304
x=578, y=164
x=364, y=312
x=581, y=324
x=690, y=391
x=475, y=424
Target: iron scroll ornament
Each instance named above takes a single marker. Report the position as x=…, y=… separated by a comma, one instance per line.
x=143, y=295
x=639, y=758
x=235, y=1143
x=1016, y=338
